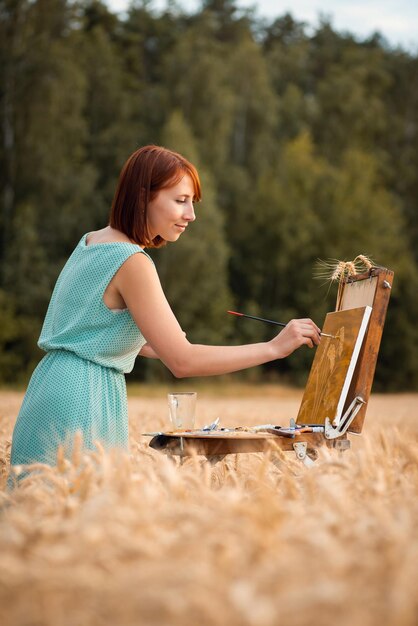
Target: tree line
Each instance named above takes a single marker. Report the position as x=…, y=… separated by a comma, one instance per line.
x=306, y=141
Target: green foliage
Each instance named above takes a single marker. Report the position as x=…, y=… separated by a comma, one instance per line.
x=9, y=334
x=306, y=144
x=26, y=269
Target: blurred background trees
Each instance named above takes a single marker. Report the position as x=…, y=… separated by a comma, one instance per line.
x=307, y=145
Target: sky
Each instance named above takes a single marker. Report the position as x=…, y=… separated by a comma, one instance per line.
x=397, y=20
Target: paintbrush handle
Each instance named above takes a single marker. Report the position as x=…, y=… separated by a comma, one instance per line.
x=262, y=319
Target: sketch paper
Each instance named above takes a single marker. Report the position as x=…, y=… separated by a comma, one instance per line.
x=333, y=366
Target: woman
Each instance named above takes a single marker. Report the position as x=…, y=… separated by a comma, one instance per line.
x=108, y=306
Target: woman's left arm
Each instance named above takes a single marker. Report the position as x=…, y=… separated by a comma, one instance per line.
x=148, y=352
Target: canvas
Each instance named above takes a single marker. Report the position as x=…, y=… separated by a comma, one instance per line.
x=333, y=366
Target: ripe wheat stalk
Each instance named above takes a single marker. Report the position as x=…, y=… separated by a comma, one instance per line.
x=106, y=538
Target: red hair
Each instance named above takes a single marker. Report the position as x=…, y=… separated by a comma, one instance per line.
x=145, y=173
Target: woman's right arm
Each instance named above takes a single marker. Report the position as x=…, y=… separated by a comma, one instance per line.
x=138, y=283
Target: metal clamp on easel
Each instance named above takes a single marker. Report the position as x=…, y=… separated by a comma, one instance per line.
x=344, y=422
x=301, y=451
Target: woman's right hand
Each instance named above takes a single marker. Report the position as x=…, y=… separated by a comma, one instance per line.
x=295, y=334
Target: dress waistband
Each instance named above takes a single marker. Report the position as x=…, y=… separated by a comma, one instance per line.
x=64, y=351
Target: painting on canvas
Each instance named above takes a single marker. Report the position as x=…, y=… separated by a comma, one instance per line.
x=333, y=366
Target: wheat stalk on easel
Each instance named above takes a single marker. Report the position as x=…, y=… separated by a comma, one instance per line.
x=338, y=271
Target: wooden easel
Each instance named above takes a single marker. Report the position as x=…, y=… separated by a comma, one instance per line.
x=371, y=288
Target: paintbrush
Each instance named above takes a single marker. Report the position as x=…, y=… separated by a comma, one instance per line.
x=262, y=319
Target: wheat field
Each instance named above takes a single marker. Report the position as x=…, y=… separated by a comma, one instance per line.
x=254, y=540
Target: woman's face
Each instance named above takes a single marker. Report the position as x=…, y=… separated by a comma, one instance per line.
x=171, y=210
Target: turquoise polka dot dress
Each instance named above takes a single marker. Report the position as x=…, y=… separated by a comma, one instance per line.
x=80, y=384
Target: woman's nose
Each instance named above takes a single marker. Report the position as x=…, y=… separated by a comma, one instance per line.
x=189, y=213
